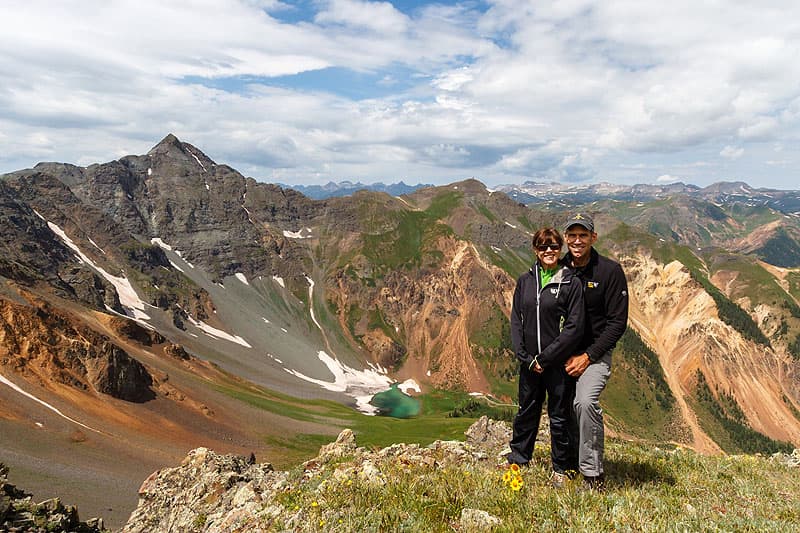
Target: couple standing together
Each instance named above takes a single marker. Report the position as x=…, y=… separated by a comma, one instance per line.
x=567, y=315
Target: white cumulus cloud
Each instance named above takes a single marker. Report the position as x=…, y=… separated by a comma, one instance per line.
x=376, y=90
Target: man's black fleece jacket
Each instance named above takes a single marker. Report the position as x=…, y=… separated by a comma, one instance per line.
x=605, y=293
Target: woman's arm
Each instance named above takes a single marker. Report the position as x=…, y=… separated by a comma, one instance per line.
x=517, y=325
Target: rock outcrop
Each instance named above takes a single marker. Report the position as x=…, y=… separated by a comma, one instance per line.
x=37, y=340
x=19, y=513
x=208, y=492
x=792, y=460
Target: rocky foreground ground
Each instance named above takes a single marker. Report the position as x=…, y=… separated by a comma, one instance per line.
x=227, y=493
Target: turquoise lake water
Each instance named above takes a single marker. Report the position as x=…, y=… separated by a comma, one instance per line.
x=395, y=403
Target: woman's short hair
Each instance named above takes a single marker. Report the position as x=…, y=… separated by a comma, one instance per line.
x=547, y=236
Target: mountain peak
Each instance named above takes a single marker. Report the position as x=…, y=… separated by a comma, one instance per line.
x=471, y=185
x=168, y=144
x=173, y=149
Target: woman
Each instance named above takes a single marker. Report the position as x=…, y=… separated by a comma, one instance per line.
x=547, y=318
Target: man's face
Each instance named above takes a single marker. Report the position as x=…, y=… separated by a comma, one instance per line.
x=579, y=240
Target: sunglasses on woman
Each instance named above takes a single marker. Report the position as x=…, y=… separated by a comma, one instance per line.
x=544, y=247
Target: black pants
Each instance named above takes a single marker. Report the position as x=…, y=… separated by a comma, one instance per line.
x=559, y=388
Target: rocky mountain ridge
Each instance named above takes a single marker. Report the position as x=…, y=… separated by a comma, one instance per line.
x=676, y=317
x=37, y=340
x=418, y=284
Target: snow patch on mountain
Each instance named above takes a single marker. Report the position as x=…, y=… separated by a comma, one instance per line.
x=127, y=295
x=218, y=333
x=158, y=242
x=303, y=233
x=5, y=381
x=362, y=385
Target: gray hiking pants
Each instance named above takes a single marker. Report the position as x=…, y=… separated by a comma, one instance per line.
x=589, y=416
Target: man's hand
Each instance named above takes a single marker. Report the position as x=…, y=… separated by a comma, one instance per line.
x=577, y=364
x=537, y=368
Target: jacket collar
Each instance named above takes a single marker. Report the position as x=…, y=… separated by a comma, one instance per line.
x=562, y=275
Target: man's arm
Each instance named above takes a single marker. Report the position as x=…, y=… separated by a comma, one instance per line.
x=569, y=338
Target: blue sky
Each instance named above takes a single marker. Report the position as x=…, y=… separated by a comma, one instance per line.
x=312, y=91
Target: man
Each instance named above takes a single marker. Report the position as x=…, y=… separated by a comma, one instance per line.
x=606, y=299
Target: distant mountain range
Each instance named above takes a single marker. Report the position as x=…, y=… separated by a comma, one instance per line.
x=347, y=188
x=785, y=201
x=530, y=192
x=164, y=301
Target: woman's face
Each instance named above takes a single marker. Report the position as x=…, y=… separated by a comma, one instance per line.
x=548, y=254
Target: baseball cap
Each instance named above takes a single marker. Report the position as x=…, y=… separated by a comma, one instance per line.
x=581, y=219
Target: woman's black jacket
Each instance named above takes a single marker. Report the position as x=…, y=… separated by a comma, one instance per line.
x=547, y=322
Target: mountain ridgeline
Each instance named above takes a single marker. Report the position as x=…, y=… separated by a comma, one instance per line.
x=165, y=301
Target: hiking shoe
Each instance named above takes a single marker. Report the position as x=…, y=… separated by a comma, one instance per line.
x=595, y=483
x=558, y=480
x=513, y=459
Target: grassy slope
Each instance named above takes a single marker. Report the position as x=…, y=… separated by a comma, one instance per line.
x=289, y=450
x=648, y=489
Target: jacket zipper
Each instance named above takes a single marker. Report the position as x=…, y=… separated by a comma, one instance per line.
x=538, y=300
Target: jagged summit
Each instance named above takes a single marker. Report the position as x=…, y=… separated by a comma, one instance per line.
x=173, y=149
x=166, y=145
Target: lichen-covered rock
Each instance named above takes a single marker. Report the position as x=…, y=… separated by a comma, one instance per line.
x=345, y=444
x=215, y=493
x=489, y=435
x=791, y=460
x=208, y=492
x=474, y=520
